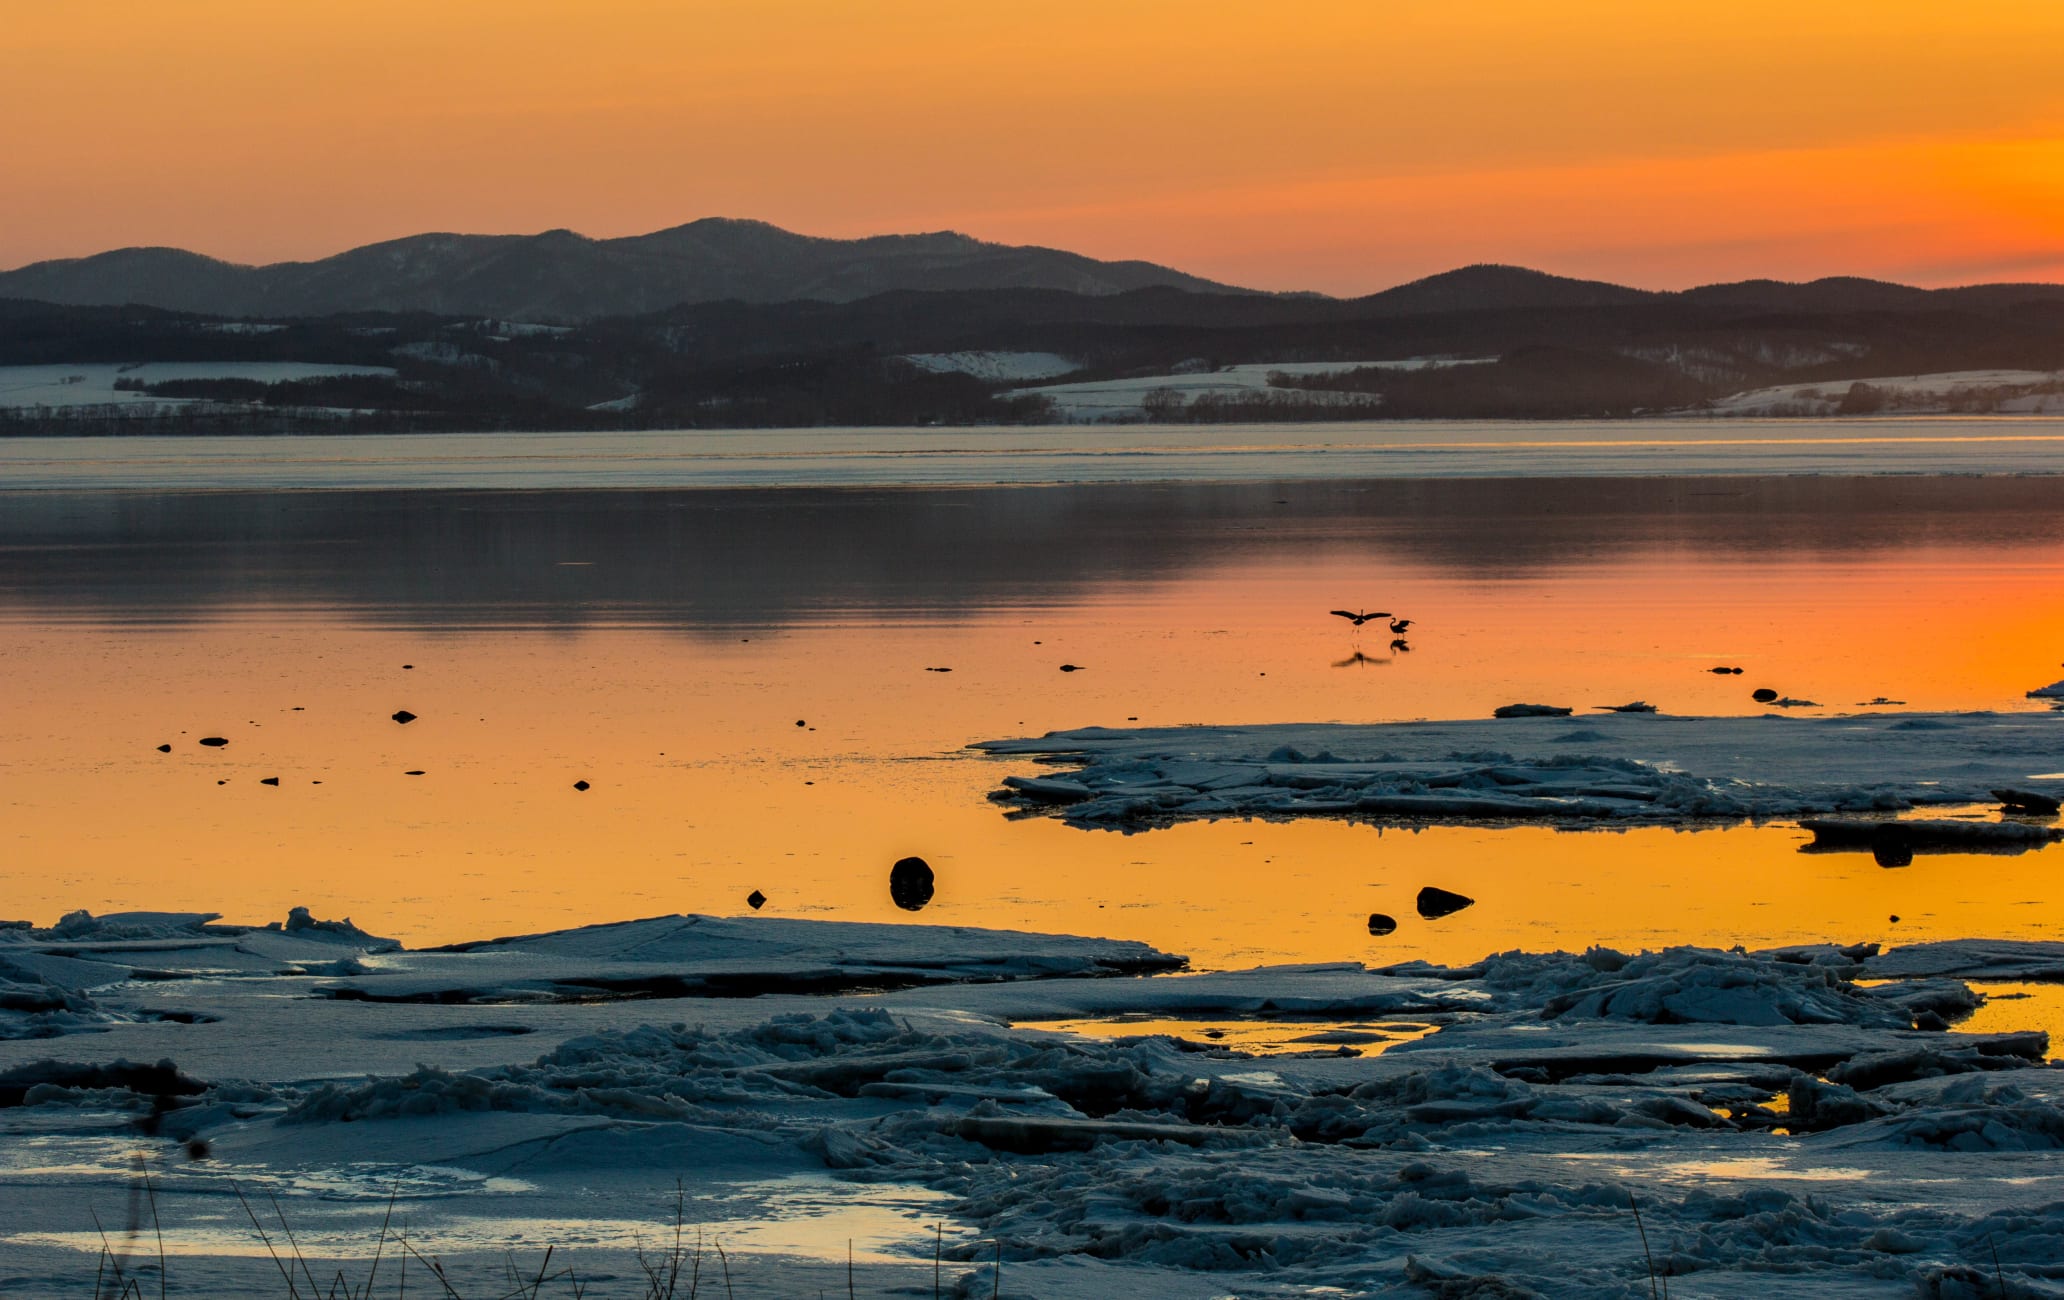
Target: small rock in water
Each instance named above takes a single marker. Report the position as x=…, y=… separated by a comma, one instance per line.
x=213, y=742
x=911, y=884
x=756, y=900
x=164, y=749
x=1725, y=671
x=938, y=670
x=404, y=717
x=1436, y=903
x=580, y=785
x=802, y=722
x=414, y=771
x=1071, y=668
x=1380, y=925
x=2027, y=801
x=407, y=666
x=1530, y=711
x=268, y=780
x=1894, y=918
x=1763, y=695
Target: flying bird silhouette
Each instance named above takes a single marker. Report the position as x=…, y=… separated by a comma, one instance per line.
x=1359, y=619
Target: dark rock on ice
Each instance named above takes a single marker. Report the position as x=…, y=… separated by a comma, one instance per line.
x=911, y=884
x=2027, y=801
x=1435, y=903
x=1530, y=711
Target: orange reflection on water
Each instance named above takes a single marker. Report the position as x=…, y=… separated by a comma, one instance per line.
x=705, y=788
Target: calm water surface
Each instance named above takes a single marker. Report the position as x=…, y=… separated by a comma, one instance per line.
x=663, y=645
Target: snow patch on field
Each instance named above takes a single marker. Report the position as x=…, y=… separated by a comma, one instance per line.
x=2015, y=392
x=996, y=367
x=1125, y=399
x=94, y=384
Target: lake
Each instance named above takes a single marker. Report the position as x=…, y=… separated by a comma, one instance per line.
x=745, y=676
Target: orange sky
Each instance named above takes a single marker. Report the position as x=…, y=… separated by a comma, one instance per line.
x=1342, y=145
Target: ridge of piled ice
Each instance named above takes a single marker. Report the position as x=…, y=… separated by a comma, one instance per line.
x=1496, y=1157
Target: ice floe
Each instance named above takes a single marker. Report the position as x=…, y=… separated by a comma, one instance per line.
x=1617, y=769
x=1778, y=1117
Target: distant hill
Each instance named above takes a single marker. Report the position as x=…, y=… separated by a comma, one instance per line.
x=1498, y=288
x=562, y=276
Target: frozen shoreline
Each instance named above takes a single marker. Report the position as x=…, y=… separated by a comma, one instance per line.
x=1778, y=1121
x=1046, y=454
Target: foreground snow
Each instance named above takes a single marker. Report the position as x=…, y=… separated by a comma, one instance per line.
x=1780, y=1124
x=1618, y=768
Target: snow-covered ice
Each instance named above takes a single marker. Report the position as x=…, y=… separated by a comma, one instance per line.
x=1616, y=769
x=1794, y=1121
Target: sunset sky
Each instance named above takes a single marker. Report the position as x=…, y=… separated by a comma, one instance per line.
x=1340, y=145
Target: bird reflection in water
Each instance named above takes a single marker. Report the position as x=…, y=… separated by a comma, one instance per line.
x=1360, y=660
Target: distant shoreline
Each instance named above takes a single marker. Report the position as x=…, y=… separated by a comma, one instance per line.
x=1049, y=454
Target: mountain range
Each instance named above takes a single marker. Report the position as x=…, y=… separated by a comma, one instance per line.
x=563, y=276
x=560, y=276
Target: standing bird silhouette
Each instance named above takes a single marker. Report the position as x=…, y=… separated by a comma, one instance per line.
x=1398, y=626
x=1359, y=619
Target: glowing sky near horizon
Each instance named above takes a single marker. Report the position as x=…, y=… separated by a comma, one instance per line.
x=1340, y=145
